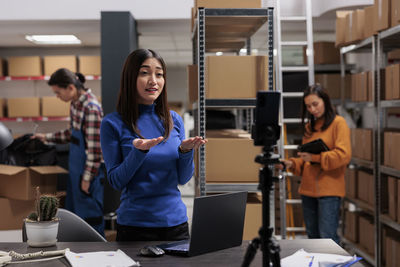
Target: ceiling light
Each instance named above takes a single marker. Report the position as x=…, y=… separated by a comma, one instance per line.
x=53, y=39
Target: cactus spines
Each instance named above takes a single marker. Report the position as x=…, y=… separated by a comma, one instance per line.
x=46, y=207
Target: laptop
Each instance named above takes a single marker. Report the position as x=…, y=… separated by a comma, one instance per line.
x=217, y=223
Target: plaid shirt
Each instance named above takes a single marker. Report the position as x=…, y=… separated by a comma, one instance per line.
x=88, y=118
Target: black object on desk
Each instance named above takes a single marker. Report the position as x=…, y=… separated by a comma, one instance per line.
x=314, y=147
x=217, y=223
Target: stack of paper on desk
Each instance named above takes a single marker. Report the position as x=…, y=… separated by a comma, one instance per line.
x=302, y=258
x=100, y=259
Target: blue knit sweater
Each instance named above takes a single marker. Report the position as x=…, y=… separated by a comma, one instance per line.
x=149, y=181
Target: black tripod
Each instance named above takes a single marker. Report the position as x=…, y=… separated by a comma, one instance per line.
x=269, y=246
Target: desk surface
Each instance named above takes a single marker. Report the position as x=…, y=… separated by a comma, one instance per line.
x=226, y=257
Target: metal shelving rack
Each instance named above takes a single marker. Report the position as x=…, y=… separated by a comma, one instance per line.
x=368, y=45
x=377, y=45
x=215, y=30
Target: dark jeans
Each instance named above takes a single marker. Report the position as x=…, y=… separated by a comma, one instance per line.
x=132, y=233
x=321, y=216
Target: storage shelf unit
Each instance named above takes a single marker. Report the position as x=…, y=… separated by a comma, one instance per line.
x=377, y=45
x=359, y=251
x=224, y=30
x=42, y=78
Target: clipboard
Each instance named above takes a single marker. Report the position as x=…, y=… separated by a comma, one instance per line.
x=314, y=147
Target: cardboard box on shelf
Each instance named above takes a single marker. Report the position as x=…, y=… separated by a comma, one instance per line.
x=350, y=226
x=18, y=182
x=392, y=197
x=23, y=107
x=381, y=16
x=253, y=217
x=2, y=68
x=192, y=83
x=365, y=188
x=349, y=22
x=366, y=234
x=2, y=107
x=90, y=65
x=395, y=13
x=54, y=107
x=369, y=13
x=357, y=30
x=341, y=27
x=324, y=53
x=227, y=4
x=351, y=182
x=231, y=160
x=332, y=84
x=53, y=63
x=25, y=66
x=370, y=86
x=235, y=76
x=394, y=54
x=13, y=212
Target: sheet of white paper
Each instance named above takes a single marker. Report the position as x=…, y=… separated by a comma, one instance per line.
x=302, y=258
x=100, y=259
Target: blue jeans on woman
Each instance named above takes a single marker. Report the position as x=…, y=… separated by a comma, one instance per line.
x=321, y=216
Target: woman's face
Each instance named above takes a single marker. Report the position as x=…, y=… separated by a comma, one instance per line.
x=150, y=81
x=315, y=105
x=65, y=94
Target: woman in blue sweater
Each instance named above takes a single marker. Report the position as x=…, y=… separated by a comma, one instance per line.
x=146, y=153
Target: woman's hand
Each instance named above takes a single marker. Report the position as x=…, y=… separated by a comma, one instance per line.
x=85, y=186
x=287, y=164
x=40, y=136
x=304, y=156
x=192, y=143
x=146, y=144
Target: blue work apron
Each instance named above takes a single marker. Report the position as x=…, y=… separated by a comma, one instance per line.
x=87, y=206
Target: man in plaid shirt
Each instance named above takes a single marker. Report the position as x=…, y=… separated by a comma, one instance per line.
x=86, y=176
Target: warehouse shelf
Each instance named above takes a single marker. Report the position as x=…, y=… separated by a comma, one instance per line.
x=390, y=38
x=390, y=103
x=363, y=46
x=42, y=78
x=363, y=163
x=385, y=219
x=349, y=104
x=25, y=119
x=231, y=187
x=368, y=208
x=227, y=30
x=360, y=252
x=390, y=171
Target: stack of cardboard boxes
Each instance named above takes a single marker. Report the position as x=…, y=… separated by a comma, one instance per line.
x=17, y=191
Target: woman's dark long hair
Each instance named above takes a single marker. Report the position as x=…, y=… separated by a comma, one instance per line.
x=329, y=114
x=64, y=77
x=128, y=106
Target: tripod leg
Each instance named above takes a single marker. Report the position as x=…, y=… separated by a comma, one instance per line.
x=251, y=252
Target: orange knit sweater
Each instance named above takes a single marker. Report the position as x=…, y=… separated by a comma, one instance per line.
x=326, y=178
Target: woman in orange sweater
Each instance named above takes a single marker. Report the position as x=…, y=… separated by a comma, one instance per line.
x=322, y=183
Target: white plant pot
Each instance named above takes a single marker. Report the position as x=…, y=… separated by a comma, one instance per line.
x=41, y=234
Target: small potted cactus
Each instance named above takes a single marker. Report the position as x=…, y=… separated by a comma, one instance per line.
x=42, y=225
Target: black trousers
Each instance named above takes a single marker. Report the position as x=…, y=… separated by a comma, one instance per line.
x=132, y=233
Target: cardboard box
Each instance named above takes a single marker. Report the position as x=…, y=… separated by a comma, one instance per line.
x=54, y=107
x=395, y=13
x=20, y=182
x=2, y=107
x=23, y=107
x=366, y=234
x=90, y=65
x=53, y=63
x=357, y=30
x=392, y=197
x=370, y=86
x=351, y=183
x=365, y=188
x=341, y=27
x=394, y=55
x=348, y=38
x=324, y=53
x=381, y=15
x=235, y=76
x=228, y=4
x=2, y=68
x=333, y=83
x=193, y=86
x=13, y=212
x=369, y=23
x=350, y=226
x=25, y=66
x=231, y=160
x=253, y=217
